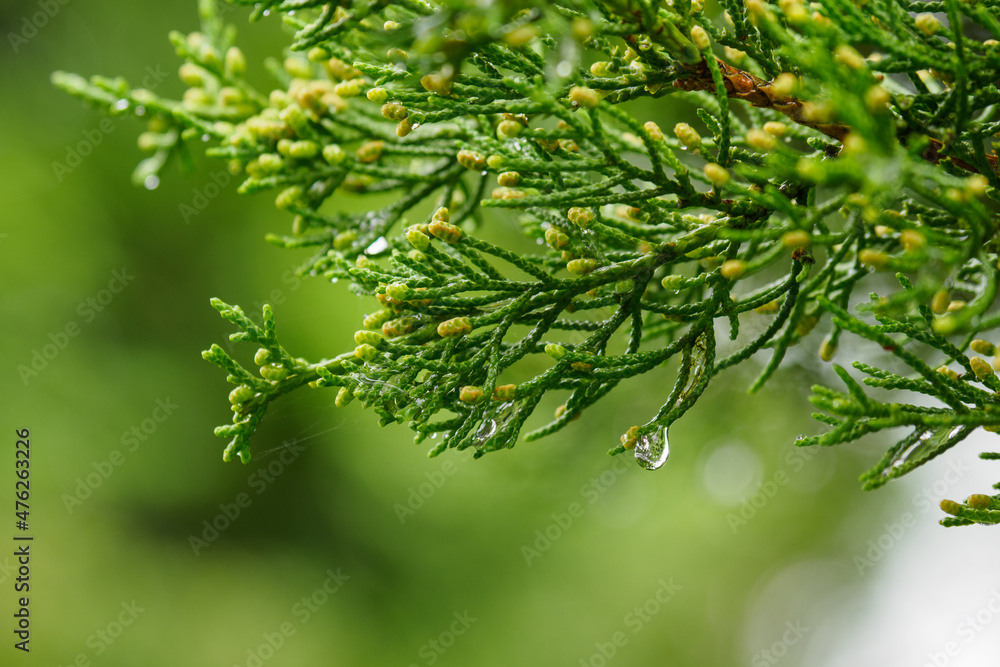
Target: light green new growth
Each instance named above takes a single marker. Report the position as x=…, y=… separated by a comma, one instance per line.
x=833, y=149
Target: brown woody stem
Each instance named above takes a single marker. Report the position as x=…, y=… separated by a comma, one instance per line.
x=760, y=93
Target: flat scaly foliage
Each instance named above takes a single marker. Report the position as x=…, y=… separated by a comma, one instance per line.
x=819, y=150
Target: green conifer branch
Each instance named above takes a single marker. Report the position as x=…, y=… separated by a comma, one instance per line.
x=807, y=171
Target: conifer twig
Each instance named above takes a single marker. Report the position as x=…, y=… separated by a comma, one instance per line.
x=642, y=244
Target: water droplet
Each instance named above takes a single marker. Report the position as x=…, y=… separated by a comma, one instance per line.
x=496, y=421
x=368, y=381
x=377, y=246
x=486, y=431
x=693, y=363
x=121, y=105
x=152, y=182
x=939, y=435
x=921, y=445
x=205, y=137
x=140, y=111
x=652, y=450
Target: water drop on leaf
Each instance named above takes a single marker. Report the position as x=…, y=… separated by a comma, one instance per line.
x=925, y=444
x=377, y=246
x=496, y=421
x=652, y=450
x=486, y=431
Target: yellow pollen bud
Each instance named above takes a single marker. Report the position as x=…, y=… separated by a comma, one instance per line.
x=761, y=140
x=875, y=259
x=733, y=269
x=700, y=38
x=716, y=173
x=583, y=97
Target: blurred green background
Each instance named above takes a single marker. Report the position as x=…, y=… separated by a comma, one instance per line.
x=550, y=554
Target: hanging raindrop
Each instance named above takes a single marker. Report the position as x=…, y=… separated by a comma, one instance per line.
x=652, y=450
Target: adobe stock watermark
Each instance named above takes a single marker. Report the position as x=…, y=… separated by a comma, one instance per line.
x=432, y=650
x=258, y=482
x=591, y=491
x=923, y=502
x=635, y=621
x=967, y=630
x=302, y=611
x=290, y=281
x=92, y=138
x=424, y=491
x=203, y=196
x=131, y=440
x=102, y=638
x=31, y=25
x=794, y=632
x=795, y=460
x=87, y=310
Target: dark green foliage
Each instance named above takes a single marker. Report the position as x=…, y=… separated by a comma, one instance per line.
x=833, y=146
